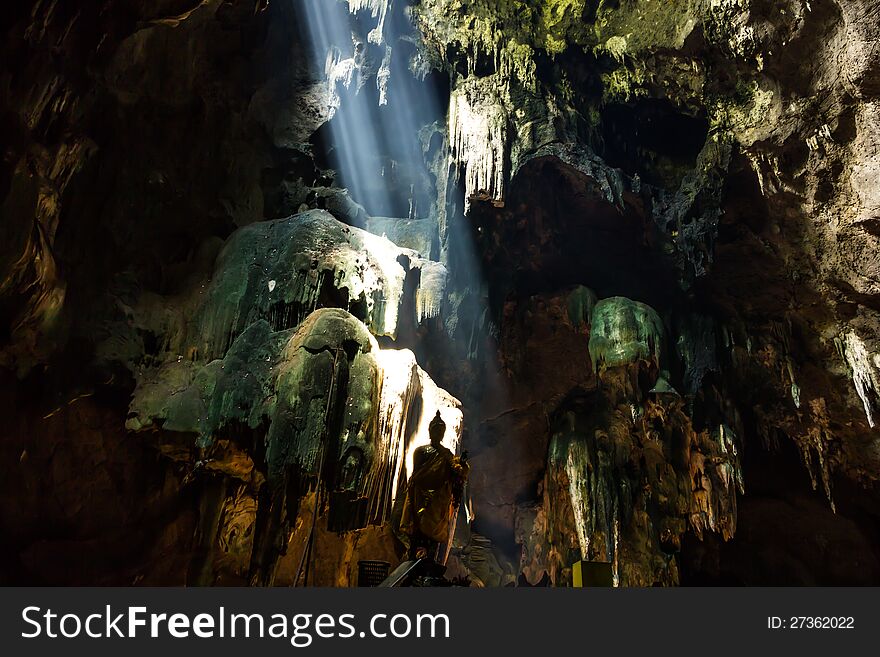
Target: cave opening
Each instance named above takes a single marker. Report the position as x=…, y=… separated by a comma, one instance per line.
x=653, y=139
x=376, y=138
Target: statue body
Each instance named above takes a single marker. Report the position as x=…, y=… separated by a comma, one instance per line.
x=432, y=495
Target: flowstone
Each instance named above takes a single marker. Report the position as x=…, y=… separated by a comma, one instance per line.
x=327, y=411
x=285, y=391
x=627, y=473
x=283, y=270
x=624, y=332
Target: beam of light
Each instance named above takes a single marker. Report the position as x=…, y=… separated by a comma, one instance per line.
x=378, y=109
x=374, y=124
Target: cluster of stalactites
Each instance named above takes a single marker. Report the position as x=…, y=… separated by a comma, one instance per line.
x=478, y=38
x=865, y=368
x=814, y=447
x=627, y=473
x=378, y=9
x=717, y=477
x=334, y=42
x=477, y=129
x=512, y=61
x=628, y=488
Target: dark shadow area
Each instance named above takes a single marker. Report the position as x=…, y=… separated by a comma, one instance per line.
x=653, y=139
x=557, y=229
x=787, y=533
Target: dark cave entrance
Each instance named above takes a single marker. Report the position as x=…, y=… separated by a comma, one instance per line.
x=653, y=139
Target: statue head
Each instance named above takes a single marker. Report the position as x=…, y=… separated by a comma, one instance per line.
x=436, y=429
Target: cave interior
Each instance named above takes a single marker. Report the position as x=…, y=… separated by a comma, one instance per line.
x=626, y=250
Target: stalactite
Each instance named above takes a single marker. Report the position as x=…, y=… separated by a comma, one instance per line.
x=432, y=289
x=383, y=77
x=716, y=473
x=814, y=447
x=591, y=490
x=865, y=368
x=477, y=129
x=339, y=71
x=378, y=9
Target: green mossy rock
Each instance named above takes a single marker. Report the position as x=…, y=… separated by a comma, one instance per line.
x=623, y=332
